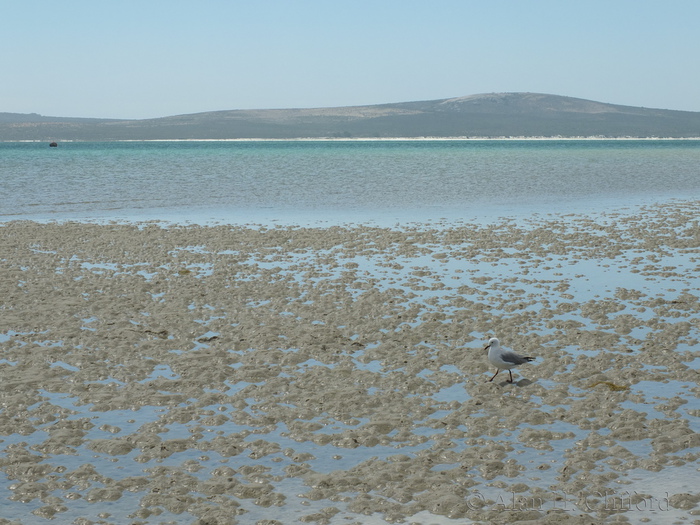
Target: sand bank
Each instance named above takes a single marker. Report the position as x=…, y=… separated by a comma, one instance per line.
x=232, y=374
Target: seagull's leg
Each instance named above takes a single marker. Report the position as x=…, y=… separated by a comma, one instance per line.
x=494, y=375
x=511, y=376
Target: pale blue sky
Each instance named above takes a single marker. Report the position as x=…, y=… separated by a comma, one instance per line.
x=151, y=58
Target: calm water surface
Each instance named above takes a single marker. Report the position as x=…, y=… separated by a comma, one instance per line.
x=342, y=179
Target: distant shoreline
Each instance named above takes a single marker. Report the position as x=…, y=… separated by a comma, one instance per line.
x=378, y=139
x=487, y=116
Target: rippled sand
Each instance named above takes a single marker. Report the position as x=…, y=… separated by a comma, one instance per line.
x=228, y=374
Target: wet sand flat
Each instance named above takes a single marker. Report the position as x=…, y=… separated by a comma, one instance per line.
x=154, y=373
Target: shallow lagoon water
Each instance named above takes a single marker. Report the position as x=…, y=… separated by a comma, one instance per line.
x=157, y=373
x=254, y=181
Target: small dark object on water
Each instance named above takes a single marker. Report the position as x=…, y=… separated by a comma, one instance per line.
x=54, y=144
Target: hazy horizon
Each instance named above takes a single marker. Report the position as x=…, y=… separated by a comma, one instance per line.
x=155, y=59
x=317, y=107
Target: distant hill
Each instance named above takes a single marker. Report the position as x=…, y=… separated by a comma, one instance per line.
x=486, y=115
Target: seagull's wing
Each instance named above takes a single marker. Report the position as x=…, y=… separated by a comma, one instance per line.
x=515, y=359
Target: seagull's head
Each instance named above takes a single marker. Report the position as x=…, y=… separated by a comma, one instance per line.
x=492, y=342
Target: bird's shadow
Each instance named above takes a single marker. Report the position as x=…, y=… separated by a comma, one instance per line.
x=520, y=383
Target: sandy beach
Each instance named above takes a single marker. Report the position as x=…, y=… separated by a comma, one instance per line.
x=159, y=373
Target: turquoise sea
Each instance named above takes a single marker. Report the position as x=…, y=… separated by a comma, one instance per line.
x=340, y=180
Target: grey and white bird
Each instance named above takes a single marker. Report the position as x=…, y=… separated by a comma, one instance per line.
x=504, y=359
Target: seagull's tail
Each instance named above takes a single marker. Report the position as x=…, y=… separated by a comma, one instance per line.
x=528, y=359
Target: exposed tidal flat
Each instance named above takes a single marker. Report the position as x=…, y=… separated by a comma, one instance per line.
x=164, y=373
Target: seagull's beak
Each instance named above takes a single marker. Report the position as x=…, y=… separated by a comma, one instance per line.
x=487, y=347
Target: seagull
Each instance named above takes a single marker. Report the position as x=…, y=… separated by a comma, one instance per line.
x=504, y=359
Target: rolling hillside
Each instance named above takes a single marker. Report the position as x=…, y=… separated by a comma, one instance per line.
x=486, y=115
